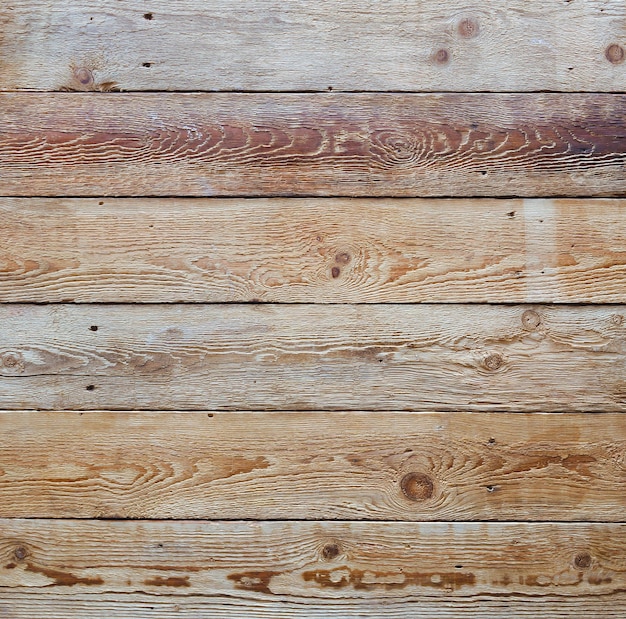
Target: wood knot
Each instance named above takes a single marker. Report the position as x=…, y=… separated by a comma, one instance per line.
x=617, y=319
x=531, y=320
x=12, y=361
x=84, y=76
x=442, y=56
x=582, y=560
x=330, y=551
x=468, y=28
x=614, y=53
x=343, y=258
x=417, y=486
x=493, y=362
x=335, y=272
x=20, y=553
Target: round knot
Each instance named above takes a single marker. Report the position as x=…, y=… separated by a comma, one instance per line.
x=614, y=53
x=468, y=28
x=493, y=361
x=582, y=560
x=531, y=320
x=417, y=486
x=20, y=553
x=84, y=76
x=330, y=551
x=442, y=56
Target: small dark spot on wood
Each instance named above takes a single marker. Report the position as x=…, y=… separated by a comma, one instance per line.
x=159, y=545
x=100, y=203
x=210, y=415
x=148, y=16
x=492, y=488
x=417, y=486
x=330, y=552
x=570, y=68
x=93, y=328
x=531, y=320
x=335, y=272
x=90, y=387
x=511, y=214
x=483, y=172
x=330, y=89
x=442, y=56
x=171, y=581
x=599, y=579
x=493, y=362
x=10, y=566
x=468, y=28
x=20, y=553
x=458, y=567
x=492, y=441
x=146, y=64
x=342, y=258
x=582, y=560
x=614, y=53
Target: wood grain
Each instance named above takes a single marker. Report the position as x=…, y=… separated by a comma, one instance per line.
x=300, y=561
x=459, y=45
x=312, y=250
x=311, y=357
x=143, y=606
x=533, y=145
x=352, y=466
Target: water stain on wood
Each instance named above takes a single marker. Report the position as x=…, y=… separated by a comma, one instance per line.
x=61, y=578
x=258, y=581
x=170, y=581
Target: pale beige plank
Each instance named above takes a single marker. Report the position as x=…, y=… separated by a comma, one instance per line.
x=311, y=357
x=160, y=144
x=459, y=45
x=312, y=250
x=301, y=561
x=381, y=466
x=124, y=606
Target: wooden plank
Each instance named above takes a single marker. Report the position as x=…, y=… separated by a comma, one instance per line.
x=311, y=357
x=374, y=466
x=123, y=606
x=312, y=250
x=534, y=145
x=297, y=561
x=459, y=45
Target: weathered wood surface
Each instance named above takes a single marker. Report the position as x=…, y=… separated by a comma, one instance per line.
x=459, y=45
x=312, y=250
x=533, y=145
x=350, y=466
x=310, y=357
x=302, y=560
x=145, y=606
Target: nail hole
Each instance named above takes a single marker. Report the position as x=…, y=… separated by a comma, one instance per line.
x=93, y=328
x=147, y=64
x=148, y=16
x=90, y=387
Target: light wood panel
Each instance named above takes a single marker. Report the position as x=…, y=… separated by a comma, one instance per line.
x=300, y=561
x=459, y=45
x=534, y=145
x=308, y=357
x=122, y=606
x=371, y=466
x=312, y=250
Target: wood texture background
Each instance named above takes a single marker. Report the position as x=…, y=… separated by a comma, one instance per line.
x=326, y=319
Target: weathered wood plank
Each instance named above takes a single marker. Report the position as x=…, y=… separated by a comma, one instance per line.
x=459, y=45
x=122, y=606
x=311, y=357
x=312, y=250
x=311, y=560
x=534, y=145
x=375, y=466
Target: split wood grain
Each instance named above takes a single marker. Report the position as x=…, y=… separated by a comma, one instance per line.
x=143, y=606
x=349, y=466
x=297, y=561
x=156, y=144
x=312, y=250
x=459, y=45
x=312, y=357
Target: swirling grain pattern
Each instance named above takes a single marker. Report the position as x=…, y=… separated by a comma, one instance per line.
x=317, y=145
x=290, y=465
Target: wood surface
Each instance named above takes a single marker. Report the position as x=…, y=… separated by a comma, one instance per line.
x=144, y=606
x=312, y=250
x=312, y=560
x=308, y=357
x=159, y=144
x=457, y=45
x=351, y=466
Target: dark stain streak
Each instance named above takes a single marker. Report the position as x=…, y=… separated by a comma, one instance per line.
x=63, y=579
x=10, y=566
x=170, y=581
x=254, y=581
x=366, y=580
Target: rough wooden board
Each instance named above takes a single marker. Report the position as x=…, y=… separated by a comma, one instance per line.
x=533, y=145
x=312, y=250
x=350, y=466
x=311, y=357
x=124, y=606
x=302, y=560
x=458, y=45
